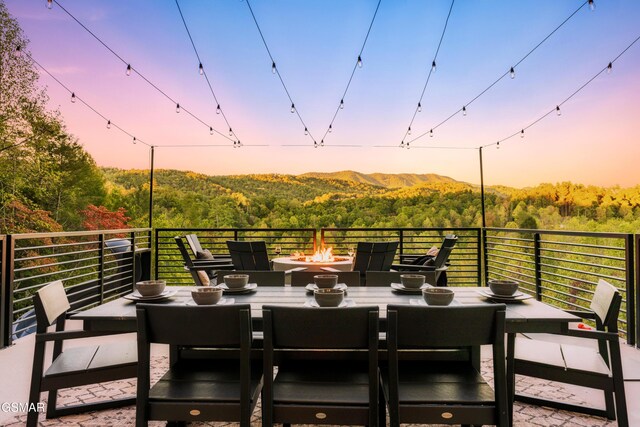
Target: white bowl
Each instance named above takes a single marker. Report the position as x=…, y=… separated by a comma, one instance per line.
x=236, y=281
x=151, y=288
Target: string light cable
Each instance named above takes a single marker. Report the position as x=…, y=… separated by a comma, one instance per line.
x=275, y=70
x=431, y=70
x=356, y=65
x=130, y=69
x=510, y=71
x=607, y=69
x=203, y=72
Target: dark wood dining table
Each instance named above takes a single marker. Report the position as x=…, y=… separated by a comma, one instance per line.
x=521, y=317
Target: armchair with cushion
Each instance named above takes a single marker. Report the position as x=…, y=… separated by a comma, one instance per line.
x=583, y=357
x=202, y=270
x=438, y=265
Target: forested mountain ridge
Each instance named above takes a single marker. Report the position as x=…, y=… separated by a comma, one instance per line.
x=387, y=180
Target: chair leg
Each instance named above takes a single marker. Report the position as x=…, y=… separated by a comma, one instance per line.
x=382, y=407
x=618, y=384
x=51, y=403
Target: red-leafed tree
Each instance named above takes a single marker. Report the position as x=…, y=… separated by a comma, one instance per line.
x=101, y=218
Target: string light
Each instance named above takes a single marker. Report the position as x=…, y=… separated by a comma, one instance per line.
x=498, y=145
x=522, y=133
x=177, y=108
x=330, y=128
x=273, y=67
x=210, y=130
x=409, y=131
x=293, y=108
x=433, y=66
x=431, y=133
x=315, y=144
x=306, y=131
x=73, y=97
x=464, y=110
x=239, y=143
x=218, y=109
x=49, y=4
x=201, y=69
x=342, y=104
x=408, y=146
x=230, y=132
x=359, y=61
x=108, y=124
x=512, y=73
x=558, y=112
x=401, y=144
x=609, y=68
x=322, y=143
x=592, y=5
x=128, y=72
x=135, y=140
x=419, y=107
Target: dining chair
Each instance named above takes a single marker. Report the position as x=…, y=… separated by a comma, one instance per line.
x=224, y=389
x=303, y=278
x=327, y=362
x=584, y=357
x=447, y=392
x=73, y=366
x=249, y=255
x=374, y=256
x=438, y=265
x=262, y=278
x=202, y=270
x=386, y=278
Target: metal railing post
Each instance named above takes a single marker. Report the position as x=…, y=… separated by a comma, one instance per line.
x=7, y=292
x=479, y=257
x=133, y=260
x=156, y=254
x=101, y=266
x=634, y=296
x=485, y=255
x=537, y=267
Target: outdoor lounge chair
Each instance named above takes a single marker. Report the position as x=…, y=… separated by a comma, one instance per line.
x=252, y=255
x=438, y=265
x=202, y=271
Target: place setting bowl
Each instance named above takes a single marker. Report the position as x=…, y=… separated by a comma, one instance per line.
x=329, y=297
x=209, y=295
x=504, y=291
x=410, y=284
x=325, y=281
x=437, y=296
x=151, y=290
x=237, y=284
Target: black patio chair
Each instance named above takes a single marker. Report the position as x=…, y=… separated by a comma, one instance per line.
x=224, y=389
x=374, y=256
x=204, y=270
x=303, y=278
x=332, y=376
x=252, y=255
x=587, y=358
x=437, y=265
x=261, y=278
x=74, y=366
x=448, y=392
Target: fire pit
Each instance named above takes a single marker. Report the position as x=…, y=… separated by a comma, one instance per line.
x=321, y=259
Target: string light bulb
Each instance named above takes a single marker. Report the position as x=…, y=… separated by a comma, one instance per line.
x=558, y=112
x=239, y=143
x=315, y=144
x=609, y=68
x=342, y=104
x=273, y=67
x=408, y=146
x=464, y=110
x=322, y=143
x=419, y=107
x=293, y=108
x=235, y=144
x=108, y=124
x=592, y=5
x=218, y=109
x=230, y=132
x=330, y=128
x=512, y=73
x=431, y=133
x=409, y=131
x=210, y=130
x=401, y=144
x=135, y=141
x=177, y=108
x=498, y=145
x=433, y=66
x=201, y=69
x=49, y=4
x=522, y=133
x=128, y=72
x=359, y=61
x=306, y=131
x=73, y=97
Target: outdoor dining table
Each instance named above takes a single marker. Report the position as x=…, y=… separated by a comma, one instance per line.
x=524, y=316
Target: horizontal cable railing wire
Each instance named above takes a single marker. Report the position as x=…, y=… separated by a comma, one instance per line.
x=95, y=266
x=562, y=268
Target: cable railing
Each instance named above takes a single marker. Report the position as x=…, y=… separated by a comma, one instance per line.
x=95, y=267
x=562, y=268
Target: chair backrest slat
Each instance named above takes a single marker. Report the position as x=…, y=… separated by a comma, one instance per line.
x=194, y=244
x=50, y=302
x=606, y=305
x=445, y=250
x=217, y=325
x=249, y=255
x=325, y=328
x=466, y=325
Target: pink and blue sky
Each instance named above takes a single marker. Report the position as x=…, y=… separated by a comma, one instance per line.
x=315, y=44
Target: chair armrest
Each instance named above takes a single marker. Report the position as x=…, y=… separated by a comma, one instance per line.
x=71, y=335
x=203, y=267
x=330, y=269
x=411, y=267
x=291, y=270
x=582, y=314
x=592, y=334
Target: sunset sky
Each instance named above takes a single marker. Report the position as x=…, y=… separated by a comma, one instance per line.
x=315, y=44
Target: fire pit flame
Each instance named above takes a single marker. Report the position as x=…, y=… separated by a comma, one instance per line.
x=322, y=255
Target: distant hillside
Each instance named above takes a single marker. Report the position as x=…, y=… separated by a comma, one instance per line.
x=387, y=180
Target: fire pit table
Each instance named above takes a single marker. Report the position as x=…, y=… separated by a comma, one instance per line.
x=287, y=263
